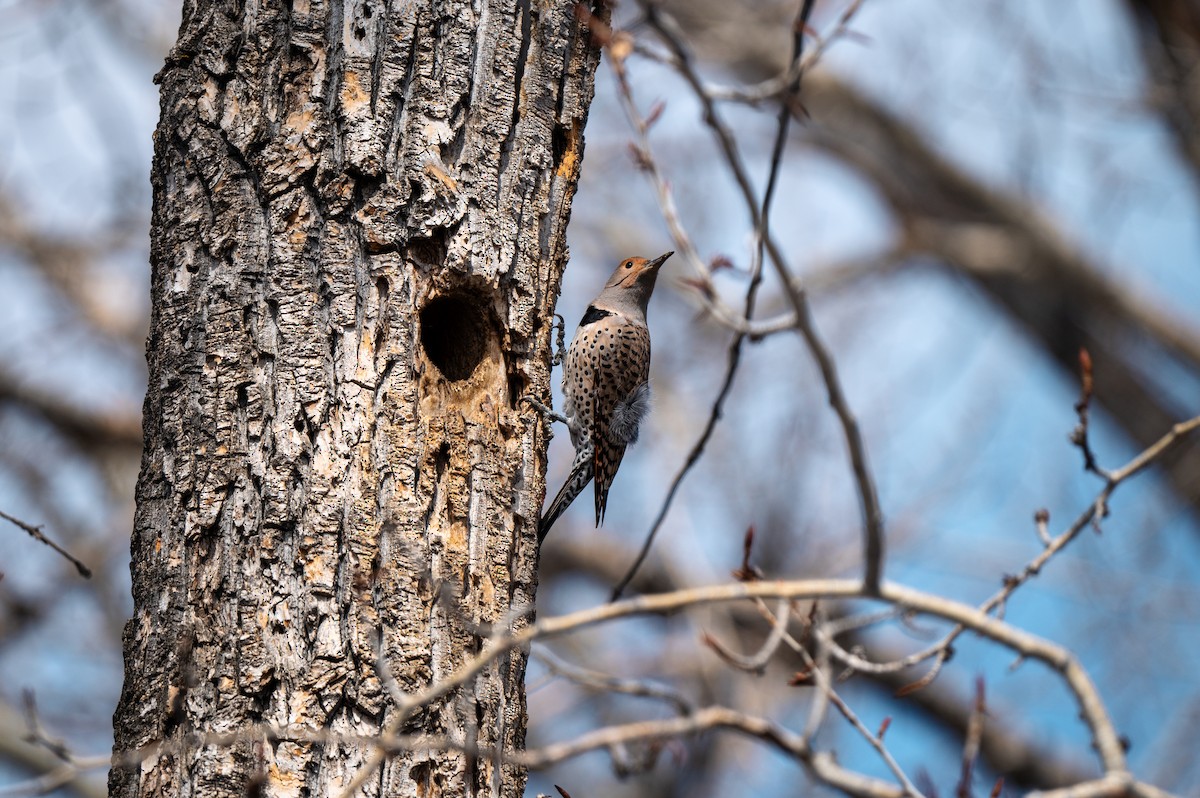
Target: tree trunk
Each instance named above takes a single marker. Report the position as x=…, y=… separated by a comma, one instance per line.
x=358, y=234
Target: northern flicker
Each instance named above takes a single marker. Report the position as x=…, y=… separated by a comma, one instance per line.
x=605, y=382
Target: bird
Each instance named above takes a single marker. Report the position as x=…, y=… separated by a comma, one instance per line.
x=606, y=384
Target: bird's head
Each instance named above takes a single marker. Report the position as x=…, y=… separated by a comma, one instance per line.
x=632, y=272
x=634, y=278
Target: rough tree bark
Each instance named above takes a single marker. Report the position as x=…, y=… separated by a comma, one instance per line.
x=358, y=234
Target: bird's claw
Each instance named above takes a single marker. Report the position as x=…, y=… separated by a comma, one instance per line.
x=560, y=339
x=548, y=412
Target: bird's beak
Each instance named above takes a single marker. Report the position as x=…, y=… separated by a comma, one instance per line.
x=660, y=260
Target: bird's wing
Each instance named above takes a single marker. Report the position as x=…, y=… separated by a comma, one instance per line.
x=579, y=378
x=621, y=367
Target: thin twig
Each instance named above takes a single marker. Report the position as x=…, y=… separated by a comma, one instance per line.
x=773, y=87
x=942, y=649
x=702, y=719
x=873, y=539
x=756, y=662
x=875, y=741
x=1092, y=709
x=819, y=671
x=36, y=734
x=58, y=777
x=819, y=665
x=972, y=740
x=733, y=359
x=823, y=766
x=762, y=230
x=685, y=248
x=1079, y=436
x=1041, y=522
x=689, y=253
x=38, y=535
x=596, y=680
x=1156, y=450
x=1111, y=785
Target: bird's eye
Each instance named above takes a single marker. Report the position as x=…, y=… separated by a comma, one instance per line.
x=628, y=264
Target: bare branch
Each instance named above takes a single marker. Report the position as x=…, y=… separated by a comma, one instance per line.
x=36, y=533
x=1008, y=247
x=1023, y=759
x=1029, y=646
x=1113, y=785
x=56, y=774
x=1170, y=40
x=819, y=670
x=972, y=740
x=941, y=650
x=824, y=767
x=757, y=661
x=1079, y=436
x=873, y=538
x=91, y=428
x=586, y=677
x=1156, y=451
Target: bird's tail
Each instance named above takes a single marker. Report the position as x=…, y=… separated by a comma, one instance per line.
x=581, y=475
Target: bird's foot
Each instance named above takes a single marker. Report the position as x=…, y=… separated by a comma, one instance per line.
x=548, y=412
x=559, y=328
